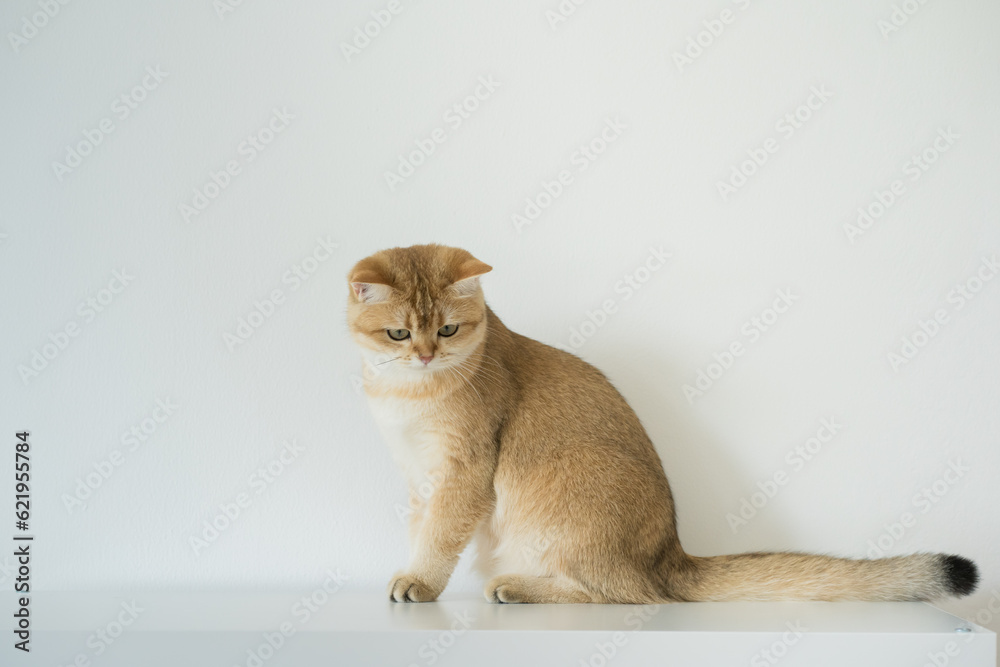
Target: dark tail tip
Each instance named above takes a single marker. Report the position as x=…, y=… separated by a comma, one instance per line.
x=961, y=574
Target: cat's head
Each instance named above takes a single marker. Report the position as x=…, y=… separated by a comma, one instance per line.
x=417, y=311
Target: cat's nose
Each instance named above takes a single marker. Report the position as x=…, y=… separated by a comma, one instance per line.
x=426, y=360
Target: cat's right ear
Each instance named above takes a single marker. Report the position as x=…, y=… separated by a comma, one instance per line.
x=467, y=277
x=369, y=287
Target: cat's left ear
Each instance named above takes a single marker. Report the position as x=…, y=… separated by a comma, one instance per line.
x=467, y=276
x=369, y=286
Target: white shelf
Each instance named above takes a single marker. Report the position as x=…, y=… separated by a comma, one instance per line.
x=363, y=628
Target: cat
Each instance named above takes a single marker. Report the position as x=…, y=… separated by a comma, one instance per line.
x=533, y=453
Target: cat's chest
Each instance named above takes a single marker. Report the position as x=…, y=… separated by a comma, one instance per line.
x=410, y=431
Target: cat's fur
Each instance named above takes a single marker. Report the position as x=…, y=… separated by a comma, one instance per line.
x=532, y=452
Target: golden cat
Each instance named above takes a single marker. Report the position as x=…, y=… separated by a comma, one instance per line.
x=532, y=452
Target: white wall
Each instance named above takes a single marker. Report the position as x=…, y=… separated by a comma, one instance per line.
x=685, y=127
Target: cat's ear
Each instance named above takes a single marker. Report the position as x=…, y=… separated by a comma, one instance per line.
x=467, y=277
x=368, y=286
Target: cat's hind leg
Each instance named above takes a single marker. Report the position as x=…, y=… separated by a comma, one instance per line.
x=528, y=589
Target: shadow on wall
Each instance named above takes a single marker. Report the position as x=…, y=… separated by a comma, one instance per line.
x=702, y=476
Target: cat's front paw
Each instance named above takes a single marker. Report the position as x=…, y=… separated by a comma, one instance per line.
x=405, y=587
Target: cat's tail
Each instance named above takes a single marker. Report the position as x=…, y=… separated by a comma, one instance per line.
x=794, y=576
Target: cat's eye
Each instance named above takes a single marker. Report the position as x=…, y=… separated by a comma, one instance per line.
x=398, y=334
x=448, y=330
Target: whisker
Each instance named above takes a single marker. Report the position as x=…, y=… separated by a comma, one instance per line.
x=485, y=357
x=488, y=377
x=386, y=361
x=467, y=381
x=468, y=361
x=500, y=373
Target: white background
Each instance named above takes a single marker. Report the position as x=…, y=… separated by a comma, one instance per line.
x=687, y=126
